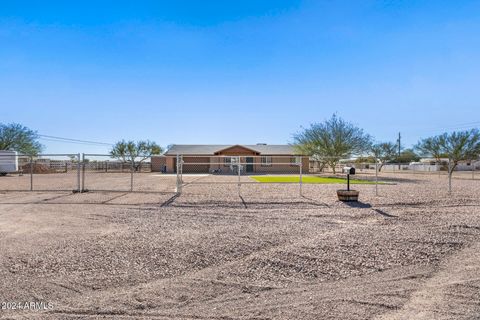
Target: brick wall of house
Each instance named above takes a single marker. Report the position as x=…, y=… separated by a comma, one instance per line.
x=202, y=164
x=281, y=164
x=158, y=163
x=196, y=164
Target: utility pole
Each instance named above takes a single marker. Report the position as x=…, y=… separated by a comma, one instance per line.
x=399, y=149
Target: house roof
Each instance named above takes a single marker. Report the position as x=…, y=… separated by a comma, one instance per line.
x=236, y=146
x=211, y=149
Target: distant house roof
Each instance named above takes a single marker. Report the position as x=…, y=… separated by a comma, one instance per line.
x=211, y=149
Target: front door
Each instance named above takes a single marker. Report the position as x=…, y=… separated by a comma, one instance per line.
x=249, y=166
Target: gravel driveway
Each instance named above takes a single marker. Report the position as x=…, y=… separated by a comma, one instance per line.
x=411, y=253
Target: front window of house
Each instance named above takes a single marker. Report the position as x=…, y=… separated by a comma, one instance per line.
x=266, y=161
x=295, y=161
x=227, y=161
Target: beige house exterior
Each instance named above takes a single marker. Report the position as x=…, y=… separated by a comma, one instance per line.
x=221, y=159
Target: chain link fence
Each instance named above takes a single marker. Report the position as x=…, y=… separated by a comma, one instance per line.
x=464, y=170
x=45, y=172
x=169, y=174
x=80, y=173
x=101, y=172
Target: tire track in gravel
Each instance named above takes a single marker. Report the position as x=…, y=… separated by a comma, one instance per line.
x=207, y=272
x=210, y=269
x=289, y=247
x=362, y=293
x=453, y=292
x=281, y=247
x=366, y=297
x=95, y=314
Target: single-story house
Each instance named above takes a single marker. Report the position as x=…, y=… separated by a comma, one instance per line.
x=259, y=158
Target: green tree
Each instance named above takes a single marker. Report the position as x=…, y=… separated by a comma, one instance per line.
x=19, y=138
x=331, y=141
x=431, y=147
x=384, y=152
x=407, y=156
x=457, y=146
x=135, y=152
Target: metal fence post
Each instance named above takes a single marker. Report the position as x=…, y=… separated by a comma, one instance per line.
x=31, y=173
x=376, y=177
x=132, y=167
x=181, y=170
x=473, y=169
x=301, y=171
x=83, y=173
x=239, y=168
x=78, y=173
x=450, y=173
x=178, y=188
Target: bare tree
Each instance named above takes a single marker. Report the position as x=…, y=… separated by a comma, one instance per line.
x=135, y=152
x=332, y=140
x=457, y=146
x=384, y=152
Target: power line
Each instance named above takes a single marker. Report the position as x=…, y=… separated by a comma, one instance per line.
x=73, y=142
x=458, y=126
x=70, y=140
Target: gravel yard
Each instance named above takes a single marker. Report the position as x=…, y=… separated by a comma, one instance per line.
x=413, y=252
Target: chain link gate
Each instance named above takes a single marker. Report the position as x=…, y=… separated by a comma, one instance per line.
x=239, y=170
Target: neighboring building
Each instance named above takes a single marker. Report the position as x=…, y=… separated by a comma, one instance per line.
x=431, y=164
x=8, y=162
x=259, y=158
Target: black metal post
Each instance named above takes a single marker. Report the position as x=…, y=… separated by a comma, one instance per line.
x=348, y=182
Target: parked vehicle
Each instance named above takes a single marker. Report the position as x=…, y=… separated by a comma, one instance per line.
x=8, y=162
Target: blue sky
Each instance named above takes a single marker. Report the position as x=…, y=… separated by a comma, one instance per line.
x=237, y=71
